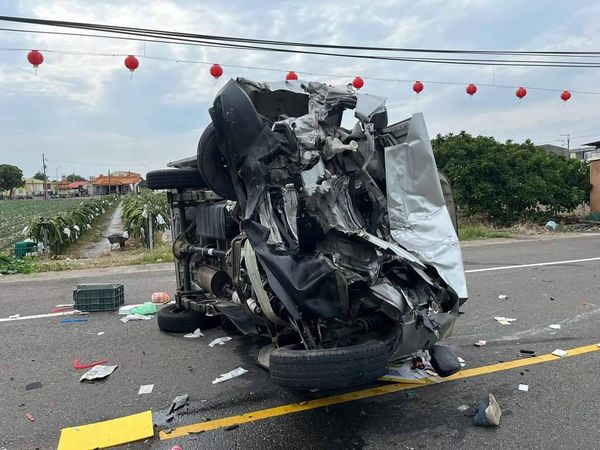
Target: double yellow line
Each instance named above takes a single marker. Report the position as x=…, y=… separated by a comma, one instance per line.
x=362, y=394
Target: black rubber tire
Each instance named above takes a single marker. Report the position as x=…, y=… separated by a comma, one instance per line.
x=174, y=319
x=212, y=165
x=329, y=368
x=175, y=179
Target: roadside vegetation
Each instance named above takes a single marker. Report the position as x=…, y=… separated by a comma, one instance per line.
x=145, y=210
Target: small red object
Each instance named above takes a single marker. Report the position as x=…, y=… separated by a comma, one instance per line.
x=418, y=87
x=160, y=297
x=78, y=366
x=471, y=89
x=521, y=92
x=358, y=82
x=35, y=58
x=291, y=75
x=177, y=447
x=132, y=63
x=216, y=71
x=565, y=96
x=62, y=309
x=30, y=417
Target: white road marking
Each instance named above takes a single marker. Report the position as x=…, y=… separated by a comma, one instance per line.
x=38, y=316
x=519, y=266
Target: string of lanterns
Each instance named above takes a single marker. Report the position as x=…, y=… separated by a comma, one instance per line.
x=36, y=58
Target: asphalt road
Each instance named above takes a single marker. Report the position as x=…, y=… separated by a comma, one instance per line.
x=560, y=410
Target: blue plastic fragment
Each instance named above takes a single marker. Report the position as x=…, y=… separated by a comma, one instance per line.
x=73, y=320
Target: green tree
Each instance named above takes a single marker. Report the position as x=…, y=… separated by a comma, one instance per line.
x=508, y=182
x=11, y=177
x=40, y=176
x=74, y=177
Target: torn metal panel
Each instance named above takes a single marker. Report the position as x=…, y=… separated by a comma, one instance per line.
x=419, y=219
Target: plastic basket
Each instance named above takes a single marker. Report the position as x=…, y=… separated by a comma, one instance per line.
x=22, y=248
x=98, y=297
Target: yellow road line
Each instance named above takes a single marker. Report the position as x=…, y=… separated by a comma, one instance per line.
x=362, y=394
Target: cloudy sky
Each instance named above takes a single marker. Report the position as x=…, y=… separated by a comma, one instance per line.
x=87, y=115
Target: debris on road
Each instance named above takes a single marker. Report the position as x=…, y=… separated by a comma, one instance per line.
x=30, y=417
x=524, y=387
x=73, y=320
x=463, y=408
x=462, y=362
x=195, y=334
x=161, y=419
x=14, y=316
x=146, y=389
x=78, y=366
x=551, y=225
x=178, y=402
x=62, y=309
x=405, y=373
x=229, y=375
x=411, y=394
x=219, y=341
x=560, y=353
x=126, y=309
x=488, y=413
x=160, y=297
x=35, y=385
x=100, y=333
x=232, y=427
x=555, y=326
x=504, y=320
x=176, y=447
x=527, y=352
x=147, y=309
x=503, y=297
x=65, y=305
x=480, y=343
x=98, y=373
x=129, y=317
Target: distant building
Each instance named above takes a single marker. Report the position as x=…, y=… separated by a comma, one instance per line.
x=34, y=188
x=117, y=183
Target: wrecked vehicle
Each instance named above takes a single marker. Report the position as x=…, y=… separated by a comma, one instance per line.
x=337, y=245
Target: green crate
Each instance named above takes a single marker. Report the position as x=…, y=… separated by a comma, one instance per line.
x=22, y=248
x=98, y=297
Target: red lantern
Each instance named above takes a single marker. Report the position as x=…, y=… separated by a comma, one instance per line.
x=35, y=58
x=358, y=82
x=521, y=92
x=471, y=89
x=418, y=87
x=216, y=71
x=132, y=63
x=291, y=76
x=565, y=96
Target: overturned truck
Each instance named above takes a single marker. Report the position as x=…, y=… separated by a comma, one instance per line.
x=337, y=245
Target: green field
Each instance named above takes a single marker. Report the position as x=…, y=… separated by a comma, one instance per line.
x=15, y=215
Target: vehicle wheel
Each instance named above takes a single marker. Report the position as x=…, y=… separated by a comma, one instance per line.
x=296, y=368
x=212, y=165
x=175, y=179
x=175, y=319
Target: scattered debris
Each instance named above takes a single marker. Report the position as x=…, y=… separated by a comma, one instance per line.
x=73, y=320
x=219, y=341
x=488, y=413
x=231, y=427
x=480, y=343
x=147, y=309
x=504, y=320
x=160, y=297
x=126, y=309
x=129, y=317
x=62, y=309
x=65, y=305
x=229, y=375
x=14, y=316
x=524, y=387
x=407, y=373
x=35, y=385
x=462, y=362
x=411, y=394
x=178, y=402
x=97, y=373
x=195, y=334
x=555, y=326
x=560, y=353
x=463, y=408
x=100, y=333
x=176, y=447
x=551, y=225
x=527, y=352
x=146, y=389
x=78, y=366
x=503, y=297
x=161, y=419
x=30, y=417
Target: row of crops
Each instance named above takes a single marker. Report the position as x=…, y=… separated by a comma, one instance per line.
x=146, y=215
x=61, y=230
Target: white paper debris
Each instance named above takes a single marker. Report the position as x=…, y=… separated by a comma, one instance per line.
x=126, y=309
x=195, y=334
x=100, y=333
x=463, y=407
x=129, y=317
x=229, y=375
x=64, y=305
x=146, y=389
x=480, y=343
x=405, y=374
x=504, y=320
x=524, y=387
x=462, y=362
x=503, y=297
x=555, y=326
x=97, y=373
x=219, y=341
x=559, y=352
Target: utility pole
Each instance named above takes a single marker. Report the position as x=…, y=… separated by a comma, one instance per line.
x=45, y=178
x=108, y=181
x=568, y=142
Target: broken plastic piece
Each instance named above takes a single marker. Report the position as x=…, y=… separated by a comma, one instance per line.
x=480, y=343
x=219, y=341
x=100, y=333
x=78, y=366
x=463, y=408
x=34, y=385
x=560, y=353
x=503, y=297
x=488, y=413
x=527, y=352
x=195, y=334
x=555, y=326
x=504, y=320
x=178, y=402
x=229, y=375
x=146, y=389
x=97, y=373
x=30, y=417
x=129, y=317
x=126, y=309
x=73, y=320
x=146, y=309
x=524, y=387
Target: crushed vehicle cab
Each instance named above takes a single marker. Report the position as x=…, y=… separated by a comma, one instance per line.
x=337, y=245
